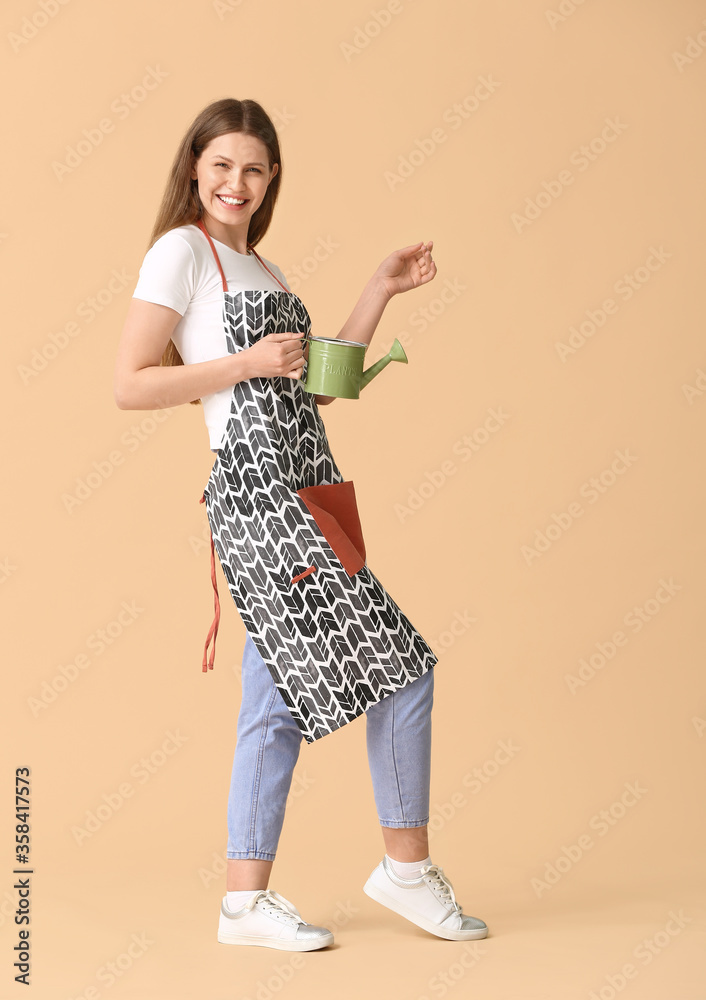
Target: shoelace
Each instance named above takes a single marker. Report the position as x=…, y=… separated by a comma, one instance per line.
x=442, y=884
x=273, y=901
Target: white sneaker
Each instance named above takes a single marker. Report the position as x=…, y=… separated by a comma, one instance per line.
x=270, y=920
x=428, y=901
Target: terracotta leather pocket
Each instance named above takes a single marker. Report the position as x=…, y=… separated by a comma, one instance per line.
x=333, y=506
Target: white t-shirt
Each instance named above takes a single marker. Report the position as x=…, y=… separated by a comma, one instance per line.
x=180, y=271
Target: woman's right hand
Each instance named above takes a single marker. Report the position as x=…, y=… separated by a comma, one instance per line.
x=141, y=382
x=276, y=354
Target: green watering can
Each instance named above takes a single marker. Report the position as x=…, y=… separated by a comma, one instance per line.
x=335, y=367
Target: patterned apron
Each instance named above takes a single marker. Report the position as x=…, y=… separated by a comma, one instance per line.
x=286, y=528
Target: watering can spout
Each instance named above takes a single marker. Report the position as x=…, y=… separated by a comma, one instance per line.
x=396, y=353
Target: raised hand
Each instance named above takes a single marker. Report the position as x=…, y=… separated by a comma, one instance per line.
x=407, y=268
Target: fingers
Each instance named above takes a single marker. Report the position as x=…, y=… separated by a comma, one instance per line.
x=417, y=248
x=294, y=357
x=425, y=261
x=281, y=354
x=293, y=350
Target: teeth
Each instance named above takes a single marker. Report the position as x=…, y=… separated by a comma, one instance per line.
x=232, y=201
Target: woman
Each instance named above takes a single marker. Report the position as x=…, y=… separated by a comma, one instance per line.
x=211, y=321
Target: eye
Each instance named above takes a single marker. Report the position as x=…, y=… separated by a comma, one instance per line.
x=221, y=164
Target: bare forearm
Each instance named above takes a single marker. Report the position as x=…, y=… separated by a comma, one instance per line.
x=362, y=322
x=160, y=386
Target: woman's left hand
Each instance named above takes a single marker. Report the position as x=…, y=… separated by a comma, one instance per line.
x=407, y=268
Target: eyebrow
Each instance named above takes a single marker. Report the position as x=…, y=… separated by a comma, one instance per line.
x=253, y=163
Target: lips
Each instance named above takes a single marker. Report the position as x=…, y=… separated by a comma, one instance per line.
x=228, y=205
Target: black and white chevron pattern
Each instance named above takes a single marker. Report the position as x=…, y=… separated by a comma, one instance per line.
x=334, y=644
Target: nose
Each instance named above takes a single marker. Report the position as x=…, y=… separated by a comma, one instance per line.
x=236, y=179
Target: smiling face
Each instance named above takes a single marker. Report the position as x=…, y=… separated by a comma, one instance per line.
x=233, y=174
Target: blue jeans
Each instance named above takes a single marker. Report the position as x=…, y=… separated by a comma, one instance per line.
x=398, y=737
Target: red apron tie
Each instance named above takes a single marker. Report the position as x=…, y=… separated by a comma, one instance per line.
x=213, y=631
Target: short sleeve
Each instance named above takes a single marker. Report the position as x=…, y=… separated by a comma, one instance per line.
x=168, y=273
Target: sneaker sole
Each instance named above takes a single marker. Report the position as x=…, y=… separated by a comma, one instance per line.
x=279, y=943
x=391, y=903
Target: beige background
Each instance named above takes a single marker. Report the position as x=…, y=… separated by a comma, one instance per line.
x=506, y=296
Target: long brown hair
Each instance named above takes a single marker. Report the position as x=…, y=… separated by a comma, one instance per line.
x=181, y=204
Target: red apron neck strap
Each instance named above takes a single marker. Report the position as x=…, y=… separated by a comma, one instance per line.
x=203, y=229
x=267, y=268
x=199, y=223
